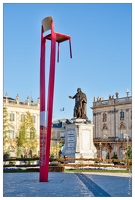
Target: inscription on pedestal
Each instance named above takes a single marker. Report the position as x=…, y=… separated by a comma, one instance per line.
x=71, y=139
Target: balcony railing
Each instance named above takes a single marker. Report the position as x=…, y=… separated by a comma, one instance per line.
x=112, y=101
x=112, y=139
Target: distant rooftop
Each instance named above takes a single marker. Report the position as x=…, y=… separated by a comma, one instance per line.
x=9, y=98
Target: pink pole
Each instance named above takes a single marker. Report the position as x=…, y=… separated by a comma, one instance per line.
x=42, y=109
x=46, y=114
x=50, y=98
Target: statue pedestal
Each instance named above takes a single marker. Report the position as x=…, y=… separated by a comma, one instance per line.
x=79, y=140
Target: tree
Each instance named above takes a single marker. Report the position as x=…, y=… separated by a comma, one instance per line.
x=114, y=156
x=27, y=138
x=55, y=148
x=128, y=154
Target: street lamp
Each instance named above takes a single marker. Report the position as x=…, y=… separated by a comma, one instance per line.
x=127, y=150
x=100, y=145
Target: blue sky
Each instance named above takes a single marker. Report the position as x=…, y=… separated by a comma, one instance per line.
x=101, y=47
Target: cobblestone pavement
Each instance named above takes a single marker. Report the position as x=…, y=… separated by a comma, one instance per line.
x=67, y=185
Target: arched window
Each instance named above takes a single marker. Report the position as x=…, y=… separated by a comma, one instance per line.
x=11, y=132
x=32, y=133
x=122, y=131
x=105, y=131
x=22, y=118
x=12, y=117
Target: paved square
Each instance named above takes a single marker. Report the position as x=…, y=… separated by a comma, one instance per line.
x=67, y=185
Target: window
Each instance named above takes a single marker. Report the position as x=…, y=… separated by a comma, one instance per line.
x=122, y=131
x=104, y=117
x=33, y=118
x=121, y=135
x=22, y=118
x=62, y=134
x=12, y=117
x=105, y=132
x=121, y=115
x=11, y=133
x=32, y=133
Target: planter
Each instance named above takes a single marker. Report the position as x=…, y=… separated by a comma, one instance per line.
x=56, y=168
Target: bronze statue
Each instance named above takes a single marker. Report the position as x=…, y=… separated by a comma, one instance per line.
x=80, y=104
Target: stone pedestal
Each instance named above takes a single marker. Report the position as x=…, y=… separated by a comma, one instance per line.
x=79, y=140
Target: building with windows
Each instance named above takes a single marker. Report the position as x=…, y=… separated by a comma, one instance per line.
x=58, y=136
x=112, y=121
x=16, y=114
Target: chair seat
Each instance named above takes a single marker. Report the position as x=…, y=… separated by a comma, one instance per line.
x=59, y=37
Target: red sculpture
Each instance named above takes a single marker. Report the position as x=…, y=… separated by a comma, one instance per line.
x=46, y=113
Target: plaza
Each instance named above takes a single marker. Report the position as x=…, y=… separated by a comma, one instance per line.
x=30, y=131
x=68, y=185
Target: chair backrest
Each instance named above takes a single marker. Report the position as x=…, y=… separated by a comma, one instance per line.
x=46, y=22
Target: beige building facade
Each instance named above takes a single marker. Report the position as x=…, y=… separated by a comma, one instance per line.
x=112, y=121
x=16, y=111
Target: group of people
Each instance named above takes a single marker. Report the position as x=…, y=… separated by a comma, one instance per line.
x=80, y=104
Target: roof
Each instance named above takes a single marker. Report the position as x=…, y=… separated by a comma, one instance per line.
x=9, y=98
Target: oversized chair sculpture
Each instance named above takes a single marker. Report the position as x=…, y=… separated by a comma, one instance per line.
x=46, y=112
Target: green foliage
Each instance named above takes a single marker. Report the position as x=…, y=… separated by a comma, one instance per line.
x=22, y=136
x=26, y=139
x=55, y=149
x=92, y=170
x=55, y=164
x=114, y=156
x=128, y=152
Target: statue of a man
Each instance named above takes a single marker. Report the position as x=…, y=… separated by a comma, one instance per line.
x=80, y=104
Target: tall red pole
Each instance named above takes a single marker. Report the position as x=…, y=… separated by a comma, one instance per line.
x=42, y=109
x=50, y=97
x=46, y=114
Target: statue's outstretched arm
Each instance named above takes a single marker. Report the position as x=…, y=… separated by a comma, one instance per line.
x=70, y=97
